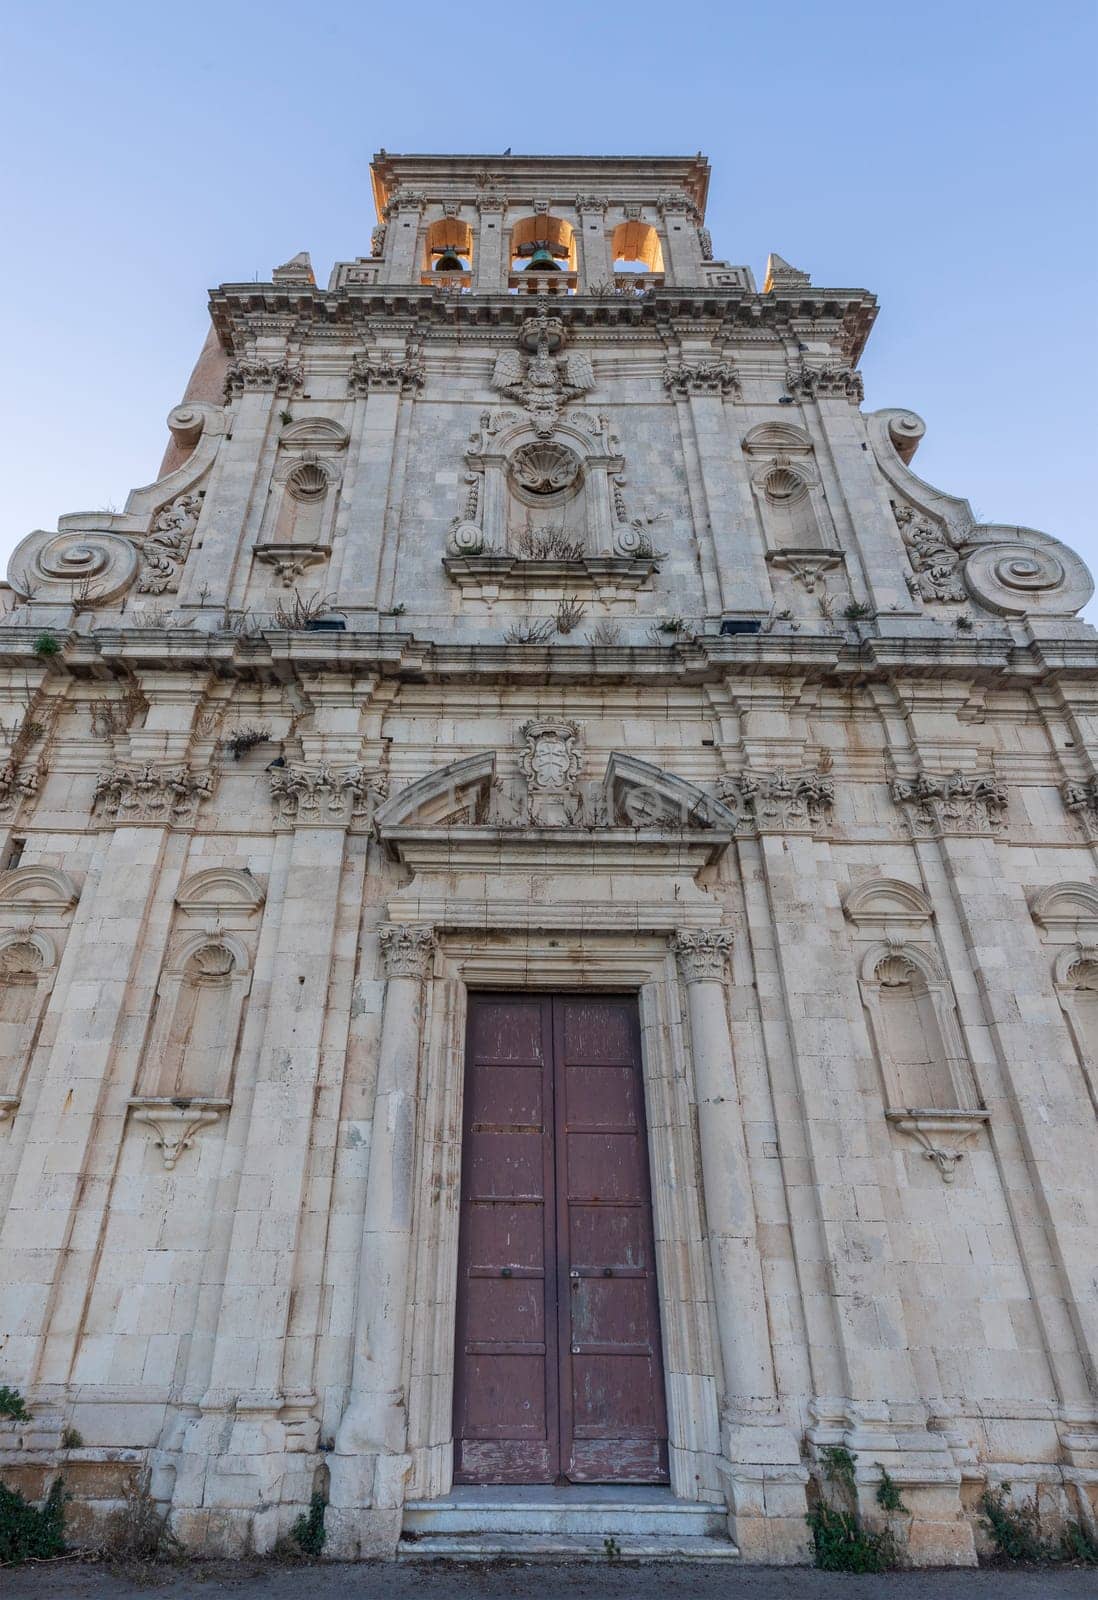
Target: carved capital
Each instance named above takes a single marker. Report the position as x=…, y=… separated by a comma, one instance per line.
x=18, y=782
x=403, y=200
x=951, y=803
x=701, y=377
x=702, y=953
x=591, y=203
x=325, y=796
x=676, y=203
x=156, y=796
x=779, y=802
x=811, y=383
x=1080, y=797
x=259, y=372
x=403, y=374
x=406, y=949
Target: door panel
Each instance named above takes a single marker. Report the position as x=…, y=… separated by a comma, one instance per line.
x=559, y=1369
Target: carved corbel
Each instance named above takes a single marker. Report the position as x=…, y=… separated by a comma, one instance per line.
x=176, y=1123
x=941, y=1134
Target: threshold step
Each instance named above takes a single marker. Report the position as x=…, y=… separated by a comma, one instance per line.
x=561, y=1547
x=548, y=1512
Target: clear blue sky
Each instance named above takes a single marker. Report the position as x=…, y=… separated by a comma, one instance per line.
x=942, y=155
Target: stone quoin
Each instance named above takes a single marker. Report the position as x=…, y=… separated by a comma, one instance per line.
x=548, y=918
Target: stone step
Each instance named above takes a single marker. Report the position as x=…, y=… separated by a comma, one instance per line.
x=549, y=1512
x=563, y=1547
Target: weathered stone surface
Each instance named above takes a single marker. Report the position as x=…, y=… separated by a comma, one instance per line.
x=575, y=629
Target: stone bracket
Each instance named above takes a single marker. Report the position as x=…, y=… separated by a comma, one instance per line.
x=941, y=1134
x=176, y=1122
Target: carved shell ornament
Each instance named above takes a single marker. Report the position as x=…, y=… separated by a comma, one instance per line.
x=783, y=485
x=308, y=482
x=96, y=566
x=545, y=468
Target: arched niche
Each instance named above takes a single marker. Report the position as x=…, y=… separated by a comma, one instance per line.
x=194, y=1039
x=28, y=967
x=1075, y=973
x=787, y=488
x=36, y=888
x=304, y=490
x=916, y=1035
x=575, y=468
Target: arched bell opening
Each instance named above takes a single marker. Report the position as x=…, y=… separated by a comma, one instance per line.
x=543, y=256
x=448, y=252
x=636, y=248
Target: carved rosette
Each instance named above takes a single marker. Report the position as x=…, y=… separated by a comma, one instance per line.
x=702, y=953
x=953, y=802
x=819, y=383
x=779, y=802
x=702, y=377
x=402, y=375
x=253, y=373
x=160, y=796
x=168, y=544
x=325, y=796
x=406, y=949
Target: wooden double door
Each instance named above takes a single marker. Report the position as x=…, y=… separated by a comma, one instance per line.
x=559, y=1374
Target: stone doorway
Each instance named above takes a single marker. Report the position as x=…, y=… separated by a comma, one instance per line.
x=559, y=1370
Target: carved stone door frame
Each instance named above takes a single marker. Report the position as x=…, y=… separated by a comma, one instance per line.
x=535, y=961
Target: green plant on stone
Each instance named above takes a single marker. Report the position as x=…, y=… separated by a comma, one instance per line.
x=612, y=1548
x=72, y=1439
x=29, y=1532
x=47, y=644
x=308, y=1530
x=856, y=611
x=13, y=1405
x=888, y=1495
x=1017, y=1536
x=842, y=1544
x=841, y=1541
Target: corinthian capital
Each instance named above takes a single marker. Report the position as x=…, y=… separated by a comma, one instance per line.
x=406, y=949
x=702, y=953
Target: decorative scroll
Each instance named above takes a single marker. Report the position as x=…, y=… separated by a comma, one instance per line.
x=168, y=544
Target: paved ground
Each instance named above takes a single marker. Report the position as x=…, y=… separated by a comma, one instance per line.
x=255, y=1581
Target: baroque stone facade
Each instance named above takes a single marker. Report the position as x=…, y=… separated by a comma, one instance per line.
x=536, y=610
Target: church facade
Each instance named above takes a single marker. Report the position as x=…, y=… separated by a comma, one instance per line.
x=549, y=917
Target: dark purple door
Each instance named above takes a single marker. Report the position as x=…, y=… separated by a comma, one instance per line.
x=559, y=1371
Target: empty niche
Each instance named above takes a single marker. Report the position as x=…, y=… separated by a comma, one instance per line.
x=787, y=488
x=27, y=967
x=305, y=485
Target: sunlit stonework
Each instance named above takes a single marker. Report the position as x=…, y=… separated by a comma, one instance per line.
x=548, y=918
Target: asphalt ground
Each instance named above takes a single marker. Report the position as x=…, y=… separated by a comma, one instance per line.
x=254, y=1580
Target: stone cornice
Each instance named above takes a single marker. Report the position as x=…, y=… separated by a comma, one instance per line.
x=239, y=309
x=994, y=661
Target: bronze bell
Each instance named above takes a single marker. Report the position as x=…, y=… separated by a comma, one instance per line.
x=542, y=260
x=449, y=261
